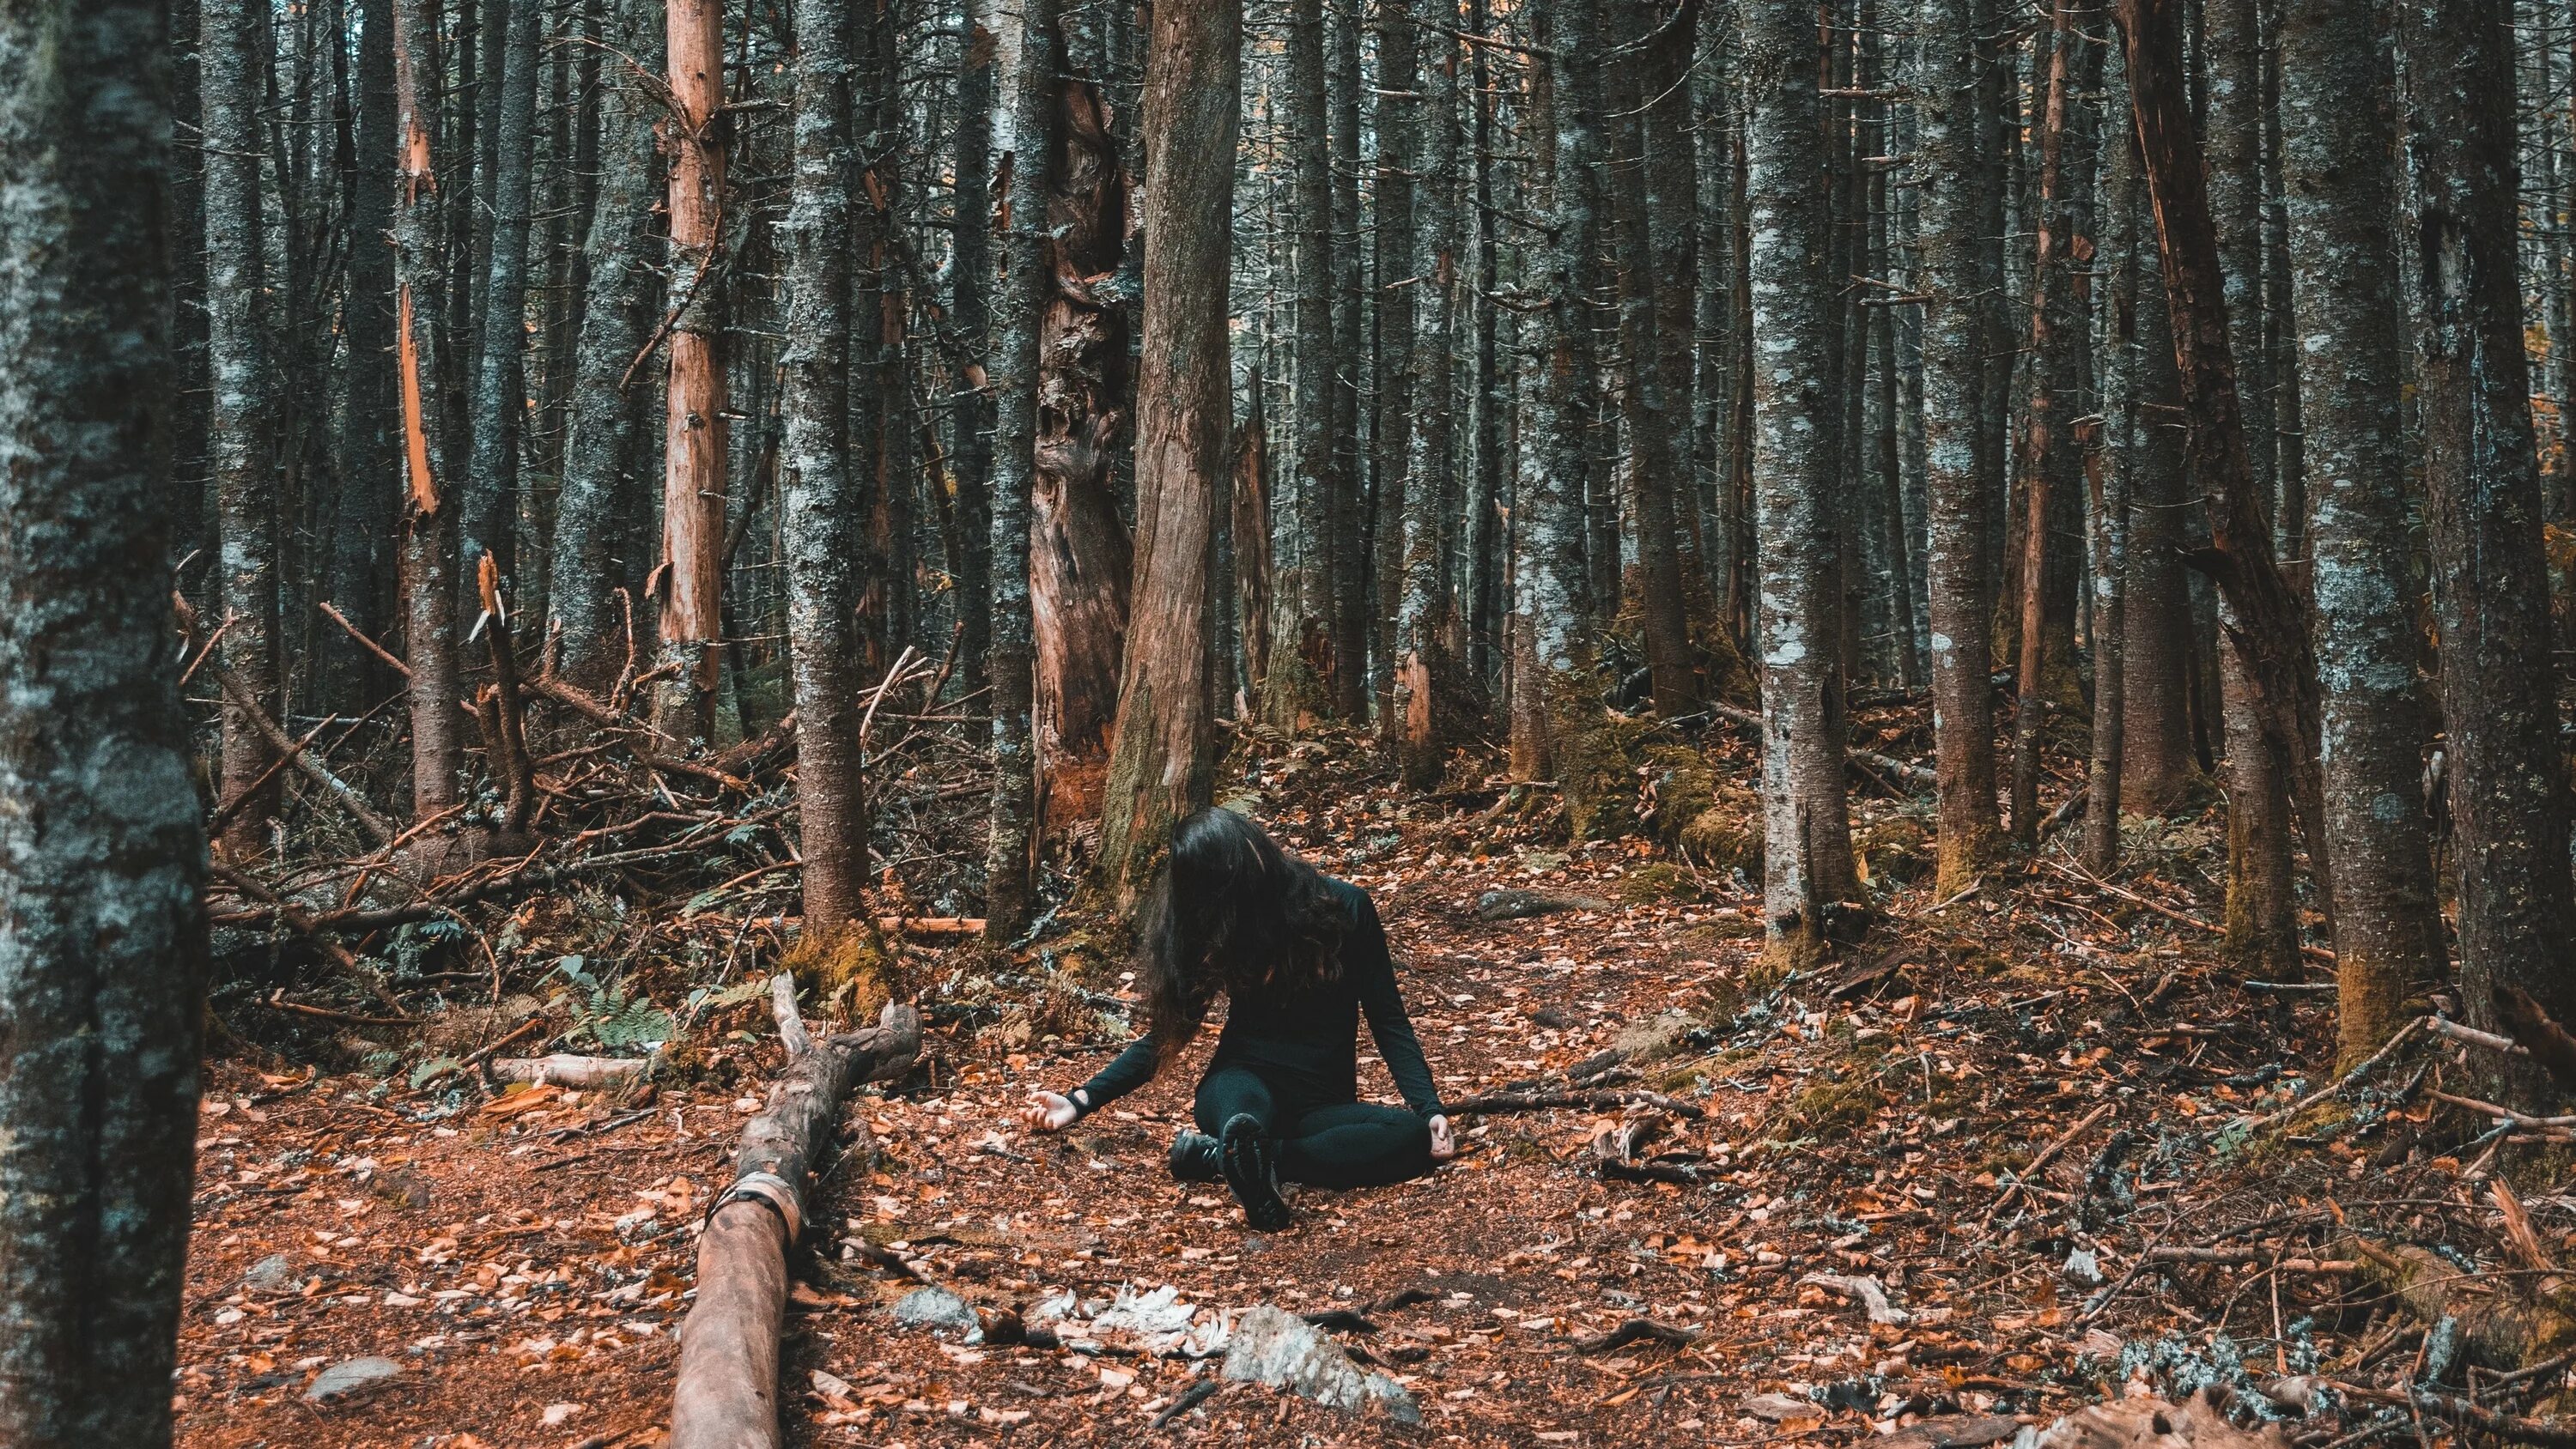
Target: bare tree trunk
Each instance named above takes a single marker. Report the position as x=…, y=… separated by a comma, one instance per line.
x=2482, y=486
x=1654, y=421
x=243, y=418
x=1313, y=587
x=2338, y=133
x=1963, y=721
x=1353, y=599
x=1807, y=861
x=970, y=308
x=1426, y=624
x=1081, y=562
x=487, y=521
x=1250, y=534
x=1031, y=53
x=815, y=496
x=1160, y=761
x=429, y=514
x=102, y=842
x=371, y=416
x=2270, y=654
x=2109, y=454
x=599, y=493
x=694, y=451
x=1402, y=116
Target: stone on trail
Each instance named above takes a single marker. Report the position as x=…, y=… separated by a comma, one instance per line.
x=1778, y=1408
x=1278, y=1348
x=1512, y=905
x=350, y=1375
x=935, y=1308
x=272, y=1274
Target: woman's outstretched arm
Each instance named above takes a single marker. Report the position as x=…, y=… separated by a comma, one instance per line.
x=1130, y=1069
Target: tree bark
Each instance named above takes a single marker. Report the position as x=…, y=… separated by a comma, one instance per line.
x=1160, y=761
x=2269, y=648
x=1807, y=861
x=2109, y=455
x=1650, y=399
x=1313, y=586
x=1426, y=624
x=102, y=841
x=369, y=453
x=2338, y=134
x=243, y=442
x=600, y=494
x=2508, y=781
x=1963, y=723
x=1081, y=562
x=815, y=496
x=1353, y=598
x=429, y=514
x=1403, y=114
x=488, y=518
x=1021, y=141
x=694, y=425
x=970, y=310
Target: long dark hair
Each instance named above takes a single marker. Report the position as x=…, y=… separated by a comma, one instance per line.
x=1231, y=912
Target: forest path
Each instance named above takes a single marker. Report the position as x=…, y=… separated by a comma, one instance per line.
x=525, y=1266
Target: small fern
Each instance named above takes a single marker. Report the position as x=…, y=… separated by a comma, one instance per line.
x=610, y=1016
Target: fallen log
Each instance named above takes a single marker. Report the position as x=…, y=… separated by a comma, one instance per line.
x=567, y=1070
x=1910, y=773
x=727, y=1394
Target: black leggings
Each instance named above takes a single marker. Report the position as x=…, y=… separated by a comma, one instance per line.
x=1330, y=1145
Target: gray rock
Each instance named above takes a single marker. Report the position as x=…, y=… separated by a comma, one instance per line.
x=1512, y=905
x=1280, y=1349
x=1778, y=1408
x=272, y=1274
x=350, y=1375
x=935, y=1308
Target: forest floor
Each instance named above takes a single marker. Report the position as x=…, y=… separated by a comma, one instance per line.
x=523, y=1261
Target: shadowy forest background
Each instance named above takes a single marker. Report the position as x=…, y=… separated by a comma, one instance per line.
x=854, y=473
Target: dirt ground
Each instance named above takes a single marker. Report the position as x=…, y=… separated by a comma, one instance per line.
x=525, y=1260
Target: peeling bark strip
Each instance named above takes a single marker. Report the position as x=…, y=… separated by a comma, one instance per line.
x=1806, y=859
x=102, y=845
x=695, y=430
x=2483, y=505
x=2338, y=132
x=1161, y=758
x=815, y=496
x=727, y=1396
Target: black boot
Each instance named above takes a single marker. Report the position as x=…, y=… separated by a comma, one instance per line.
x=1251, y=1166
x=1197, y=1157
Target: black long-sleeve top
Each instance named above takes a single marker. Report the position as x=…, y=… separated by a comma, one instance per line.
x=1307, y=1036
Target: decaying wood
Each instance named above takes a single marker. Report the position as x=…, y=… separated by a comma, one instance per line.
x=727, y=1396
x=1889, y=764
x=2199, y=1422
x=564, y=1069
x=2547, y=1041
x=2504, y=1324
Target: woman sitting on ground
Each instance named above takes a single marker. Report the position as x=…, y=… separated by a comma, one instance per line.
x=1298, y=955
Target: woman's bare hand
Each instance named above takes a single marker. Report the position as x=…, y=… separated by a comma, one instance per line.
x=1443, y=1146
x=1048, y=1112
